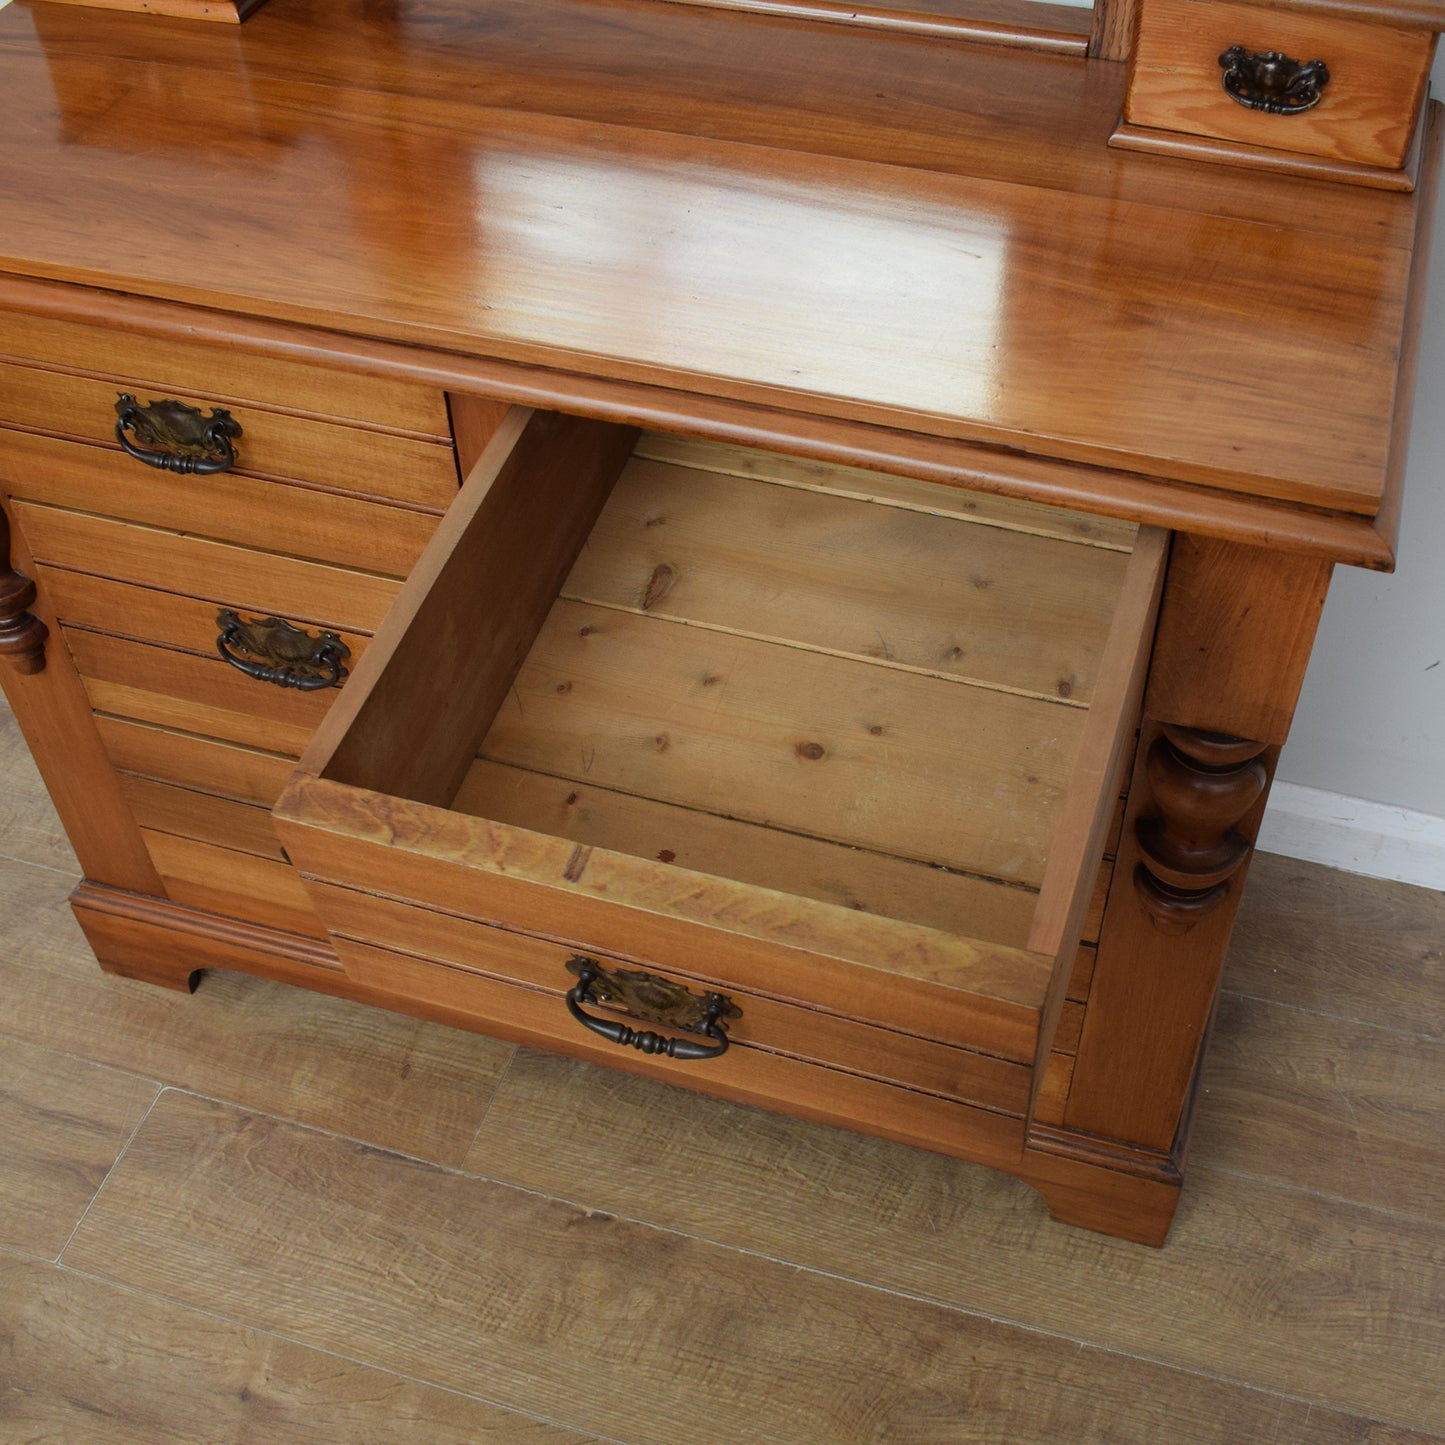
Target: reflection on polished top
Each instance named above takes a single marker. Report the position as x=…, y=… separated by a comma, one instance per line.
x=931, y=237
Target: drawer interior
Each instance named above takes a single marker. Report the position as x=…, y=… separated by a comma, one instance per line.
x=814, y=711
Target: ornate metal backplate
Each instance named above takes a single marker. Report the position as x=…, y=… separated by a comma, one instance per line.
x=1271, y=81
x=655, y=1000
x=175, y=437
x=273, y=650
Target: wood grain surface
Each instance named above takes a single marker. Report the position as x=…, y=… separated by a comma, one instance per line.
x=388, y=1081
x=223, y=372
x=146, y=614
x=390, y=1280
x=303, y=522
x=65, y=1120
x=265, y=582
x=1166, y=294
x=275, y=444
x=195, y=761
x=29, y=830
x=234, y=1383
x=1261, y=1281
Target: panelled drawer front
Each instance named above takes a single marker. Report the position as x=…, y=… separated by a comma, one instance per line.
x=472, y=950
x=749, y=1075
x=161, y=807
x=146, y=614
x=305, y=593
x=194, y=693
x=233, y=883
x=190, y=760
x=295, y=521
x=1368, y=108
x=226, y=372
x=271, y=443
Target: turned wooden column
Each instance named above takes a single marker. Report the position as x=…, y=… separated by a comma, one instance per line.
x=1235, y=632
x=1202, y=786
x=22, y=635
x=55, y=718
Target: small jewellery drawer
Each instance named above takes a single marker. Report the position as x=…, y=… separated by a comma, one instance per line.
x=842, y=747
x=159, y=422
x=1324, y=81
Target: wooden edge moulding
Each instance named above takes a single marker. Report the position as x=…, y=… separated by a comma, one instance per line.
x=1348, y=538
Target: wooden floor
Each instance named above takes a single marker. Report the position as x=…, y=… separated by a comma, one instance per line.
x=259, y=1215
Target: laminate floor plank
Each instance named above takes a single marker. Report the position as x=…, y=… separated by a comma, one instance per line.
x=630, y=1331
x=91, y=1364
x=1345, y=1108
x=377, y=1076
x=63, y=1122
x=1359, y=948
x=1260, y=1282
x=29, y=829
x=1328, y=1427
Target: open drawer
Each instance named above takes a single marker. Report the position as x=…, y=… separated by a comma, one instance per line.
x=839, y=747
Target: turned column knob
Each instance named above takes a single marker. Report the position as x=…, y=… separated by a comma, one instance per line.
x=1202, y=785
x=22, y=636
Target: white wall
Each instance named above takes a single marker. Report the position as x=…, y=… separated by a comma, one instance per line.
x=1371, y=720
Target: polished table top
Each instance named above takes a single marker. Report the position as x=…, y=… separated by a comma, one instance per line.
x=930, y=237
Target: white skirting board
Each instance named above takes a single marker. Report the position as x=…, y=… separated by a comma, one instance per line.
x=1358, y=836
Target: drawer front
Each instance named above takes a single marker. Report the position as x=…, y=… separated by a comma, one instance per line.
x=194, y=761
x=295, y=521
x=232, y=883
x=193, y=693
x=210, y=371
x=306, y=593
x=270, y=443
x=145, y=614
x=186, y=813
x=465, y=950
x=1368, y=108
x=745, y=1074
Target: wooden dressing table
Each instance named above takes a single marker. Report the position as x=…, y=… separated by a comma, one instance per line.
x=762, y=553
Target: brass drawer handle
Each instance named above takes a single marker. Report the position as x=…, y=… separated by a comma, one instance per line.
x=273, y=650
x=1270, y=81
x=656, y=1000
x=174, y=437
x=22, y=635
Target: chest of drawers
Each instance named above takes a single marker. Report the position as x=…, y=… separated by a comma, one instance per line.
x=804, y=610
